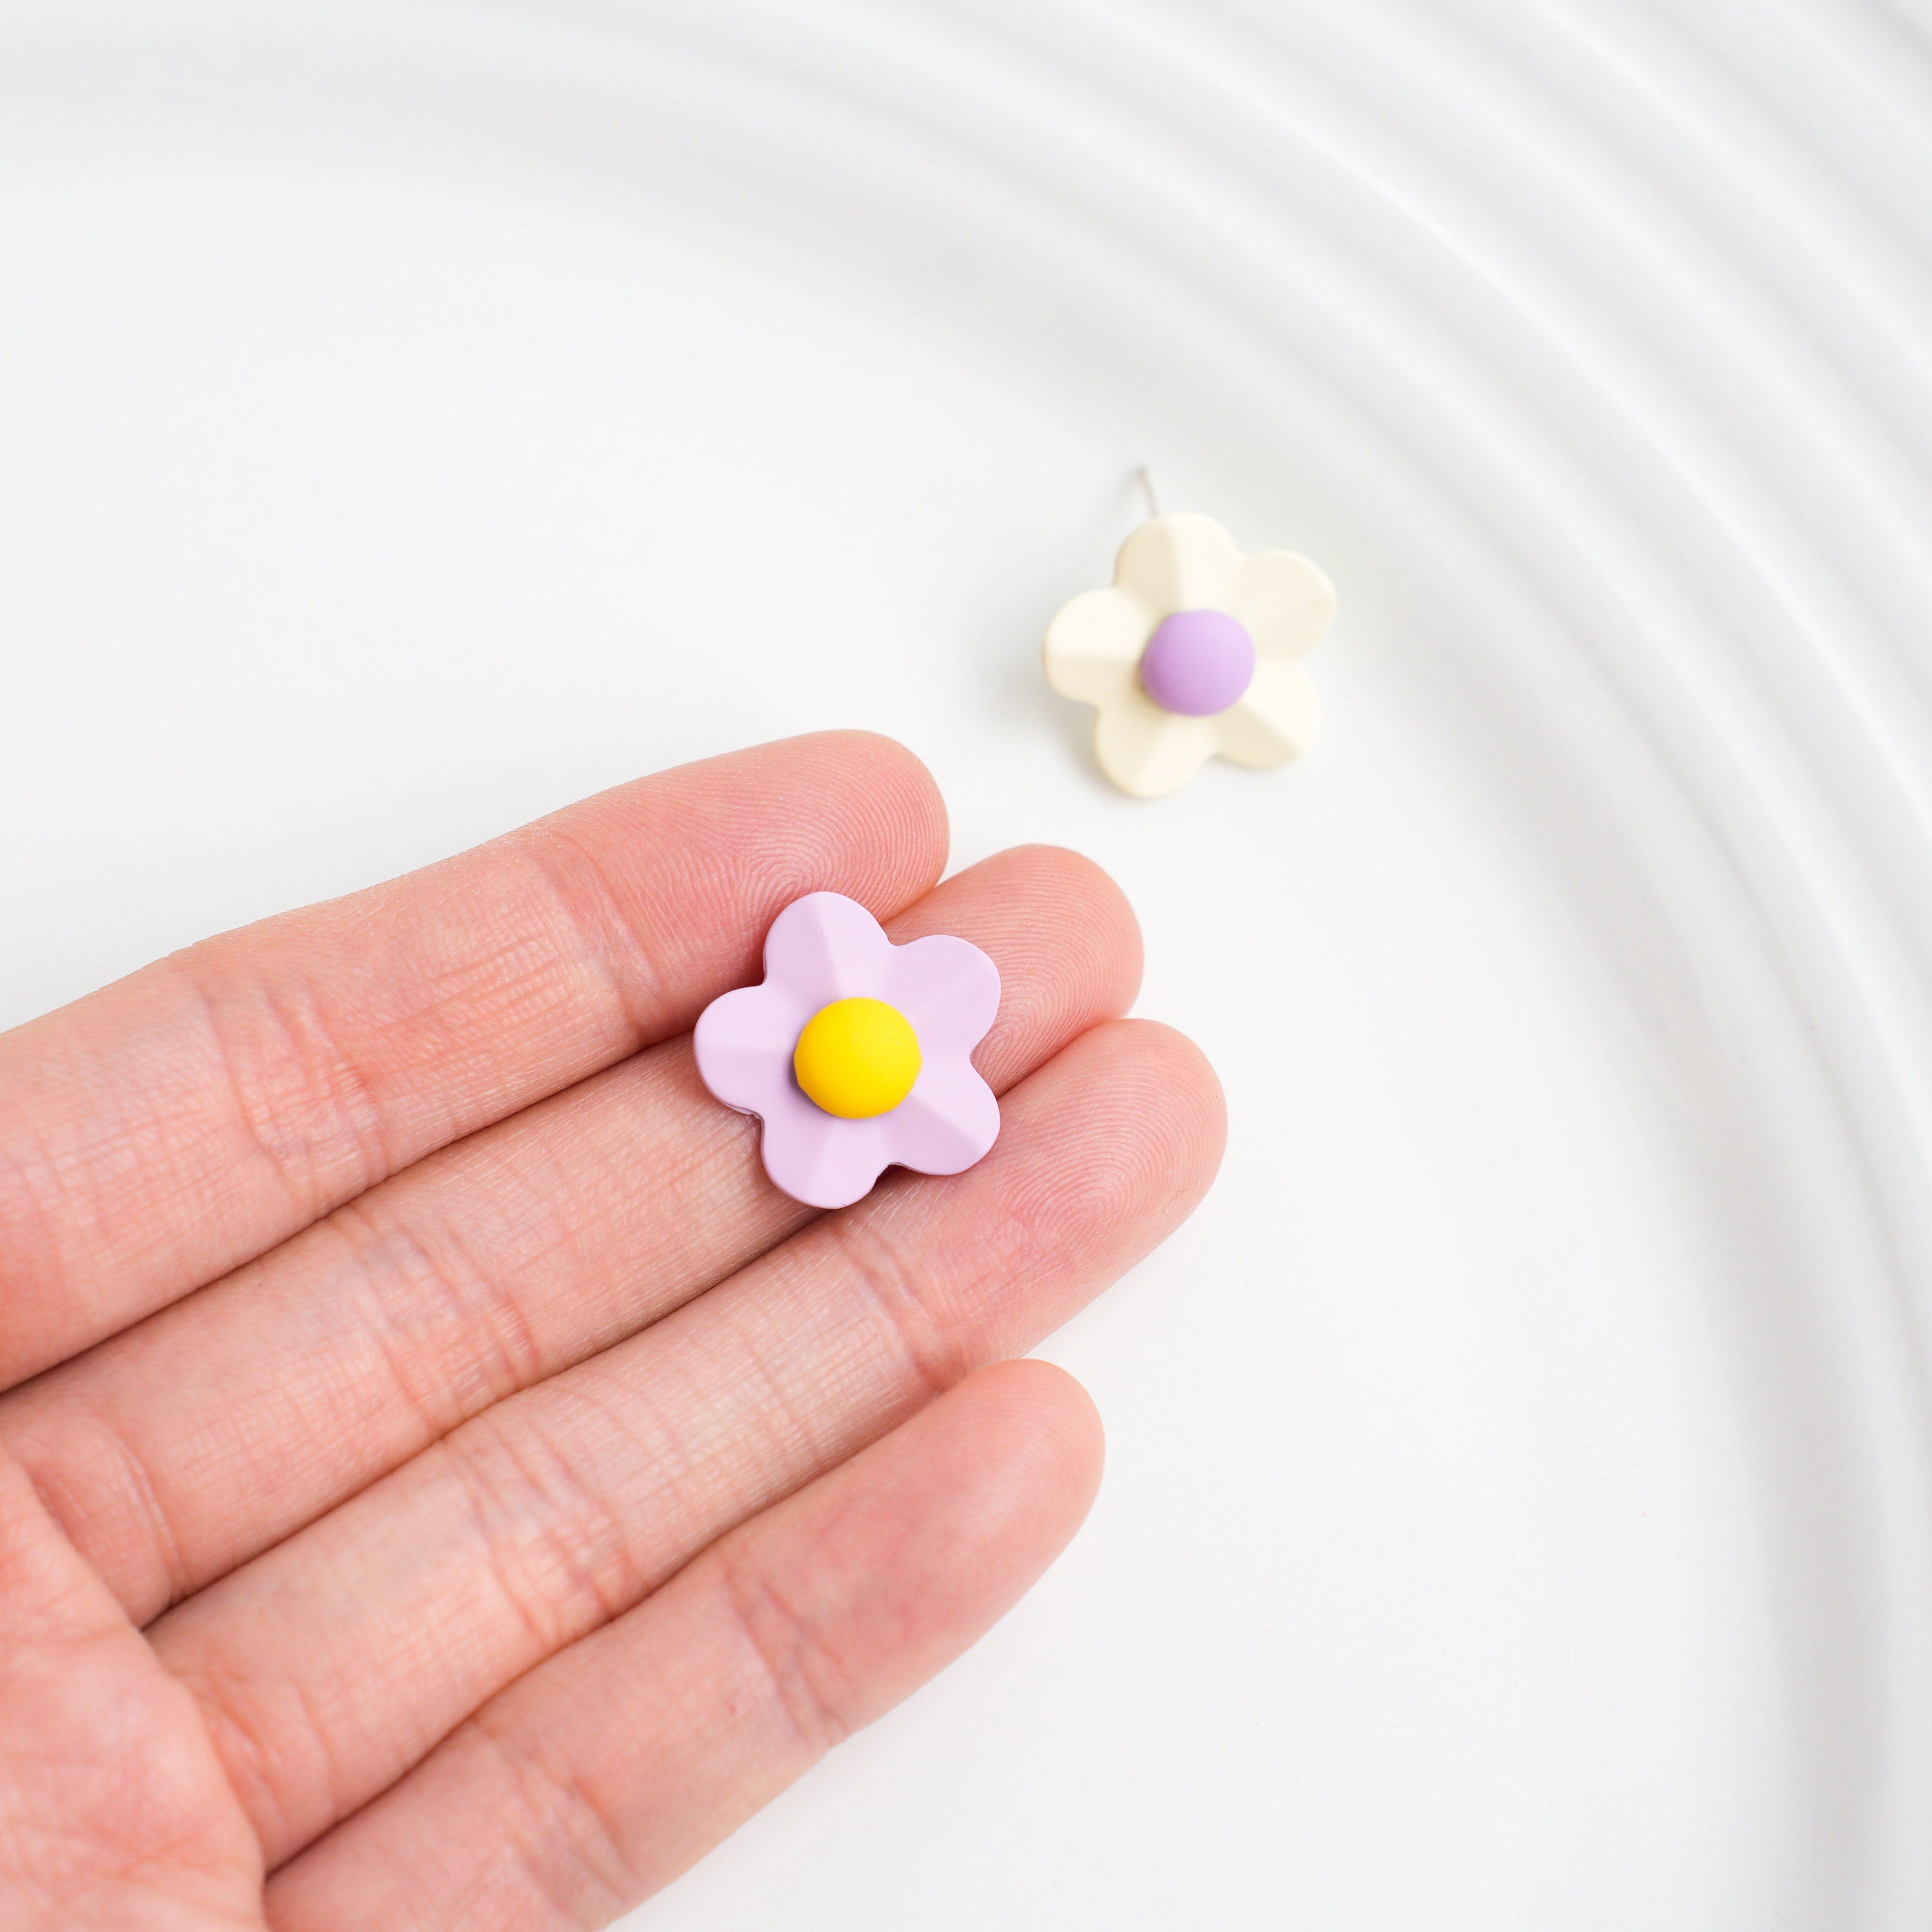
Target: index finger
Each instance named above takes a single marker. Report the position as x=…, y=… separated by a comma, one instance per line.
x=175, y=1124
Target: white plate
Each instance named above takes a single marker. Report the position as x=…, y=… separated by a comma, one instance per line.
x=416, y=415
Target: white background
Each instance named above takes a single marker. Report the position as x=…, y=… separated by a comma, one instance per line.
x=413, y=417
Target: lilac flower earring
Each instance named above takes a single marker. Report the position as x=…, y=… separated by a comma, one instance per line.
x=855, y=1053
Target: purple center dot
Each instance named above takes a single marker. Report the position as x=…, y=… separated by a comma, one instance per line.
x=1197, y=662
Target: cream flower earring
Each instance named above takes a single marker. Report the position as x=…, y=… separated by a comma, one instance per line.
x=1192, y=650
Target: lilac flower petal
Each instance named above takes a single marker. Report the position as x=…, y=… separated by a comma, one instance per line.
x=948, y=989
x=947, y=1122
x=825, y=947
x=823, y=1161
x=744, y=1042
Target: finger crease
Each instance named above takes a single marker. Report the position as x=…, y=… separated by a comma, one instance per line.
x=563, y=1817
x=810, y=1686
x=419, y=1296
x=890, y=1283
x=150, y=1513
x=557, y=1553
x=570, y=871
x=295, y=1146
x=252, y=1743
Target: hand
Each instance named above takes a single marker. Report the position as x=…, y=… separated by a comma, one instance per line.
x=455, y=1488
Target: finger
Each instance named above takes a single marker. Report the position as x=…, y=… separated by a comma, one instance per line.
x=608, y=1770
x=330, y=1664
x=176, y=1451
x=169, y=1127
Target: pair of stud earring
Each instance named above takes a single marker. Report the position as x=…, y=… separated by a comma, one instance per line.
x=856, y=1054
x=1193, y=650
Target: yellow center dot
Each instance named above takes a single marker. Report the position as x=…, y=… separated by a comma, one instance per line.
x=856, y=1058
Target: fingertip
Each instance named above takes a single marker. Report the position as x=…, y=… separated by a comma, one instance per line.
x=735, y=839
x=966, y=1505
x=1064, y=937
x=1115, y=1139
x=1091, y=906
x=846, y=811
x=1053, y=1429
x=904, y=796
x=1196, y=1110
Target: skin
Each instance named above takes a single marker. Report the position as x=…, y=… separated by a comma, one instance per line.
x=442, y=1483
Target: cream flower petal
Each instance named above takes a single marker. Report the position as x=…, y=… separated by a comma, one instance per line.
x=1274, y=719
x=1286, y=603
x=1093, y=644
x=1182, y=562
x=1096, y=644
x=1149, y=752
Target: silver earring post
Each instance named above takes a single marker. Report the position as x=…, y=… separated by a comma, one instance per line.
x=1144, y=478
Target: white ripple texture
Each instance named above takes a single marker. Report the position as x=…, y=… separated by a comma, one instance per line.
x=1618, y=314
